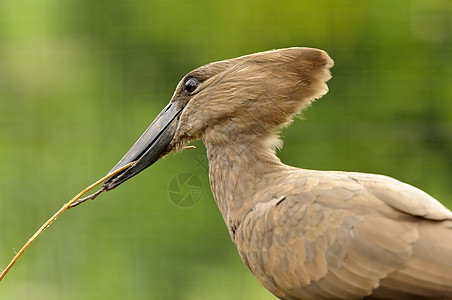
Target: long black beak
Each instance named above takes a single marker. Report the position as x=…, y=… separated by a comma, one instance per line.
x=151, y=146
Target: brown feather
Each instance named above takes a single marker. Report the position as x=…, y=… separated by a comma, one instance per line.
x=308, y=234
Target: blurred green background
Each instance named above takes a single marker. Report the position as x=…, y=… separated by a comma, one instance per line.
x=80, y=80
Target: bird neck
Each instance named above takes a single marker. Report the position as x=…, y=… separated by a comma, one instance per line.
x=238, y=170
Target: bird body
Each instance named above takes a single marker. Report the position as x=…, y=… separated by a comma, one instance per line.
x=304, y=234
x=309, y=234
x=338, y=236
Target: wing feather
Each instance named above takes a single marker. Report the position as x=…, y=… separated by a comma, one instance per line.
x=347, y=236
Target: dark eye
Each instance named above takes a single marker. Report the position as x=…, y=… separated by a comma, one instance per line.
x=190, y=85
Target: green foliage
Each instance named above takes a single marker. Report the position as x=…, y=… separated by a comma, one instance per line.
x=80, y=81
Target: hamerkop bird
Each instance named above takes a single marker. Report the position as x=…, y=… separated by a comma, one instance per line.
x=304, y=234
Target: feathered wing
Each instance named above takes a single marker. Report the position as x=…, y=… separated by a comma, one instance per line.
x=338, y=235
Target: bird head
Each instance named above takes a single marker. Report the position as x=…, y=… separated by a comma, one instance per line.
x=218, y=102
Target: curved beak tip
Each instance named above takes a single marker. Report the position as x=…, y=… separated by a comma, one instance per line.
x=150, y=147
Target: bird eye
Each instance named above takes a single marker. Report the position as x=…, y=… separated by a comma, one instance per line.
x=190, y=85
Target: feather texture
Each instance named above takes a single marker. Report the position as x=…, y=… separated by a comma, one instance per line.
x=308, y=234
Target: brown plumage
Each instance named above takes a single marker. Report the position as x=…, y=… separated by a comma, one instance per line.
x=304, y=234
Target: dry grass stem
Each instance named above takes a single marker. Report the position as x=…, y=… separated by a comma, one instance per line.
x=57, y=214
